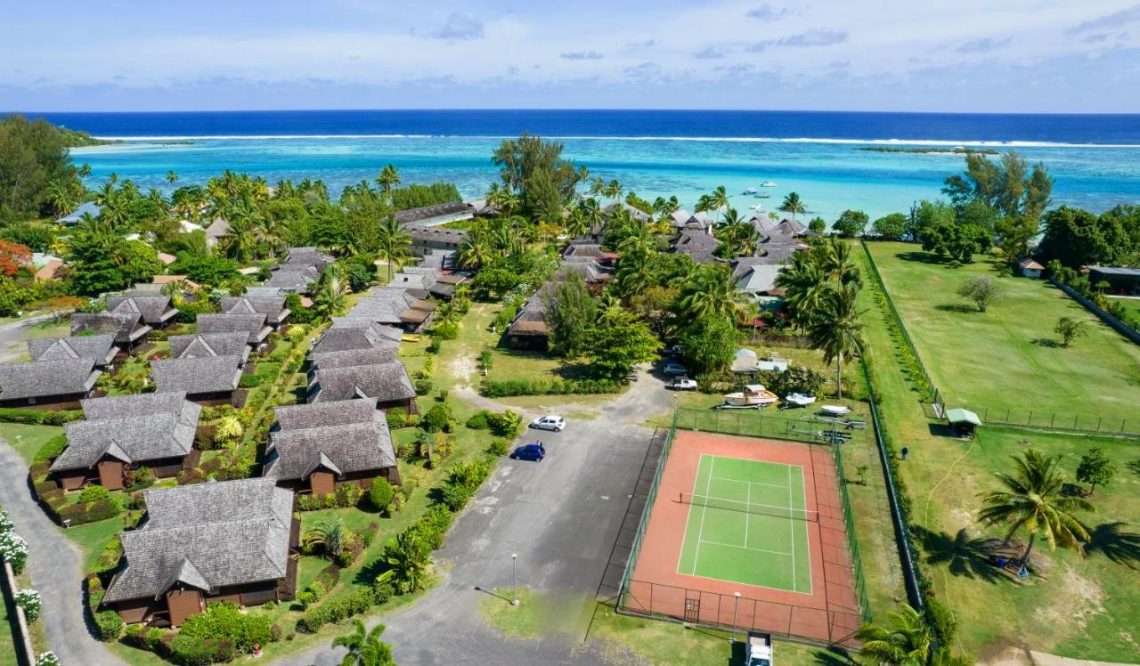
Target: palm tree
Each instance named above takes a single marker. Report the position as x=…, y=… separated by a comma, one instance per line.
x=577, y=224
x=719, y=198
x=1033, y=501
x=365, y=647
x=663, y=207
x=330, y=300
x=738, y=234
x=804, y=284
x=388, y=179
x=327, y=537
x=84, y=170
x=704, y=204
x=394, y=242
x=837, y=263
x=171, y=177
x=906, y=641
x=711, y=291
x=61, y=198
x=407, y=558
x=793, y=205
x=612, y=190
x=836, y=331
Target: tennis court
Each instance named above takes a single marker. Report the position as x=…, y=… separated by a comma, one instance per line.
x=748, y=523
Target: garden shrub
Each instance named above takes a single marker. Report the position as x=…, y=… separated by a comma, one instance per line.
x=397, y=418
x=52, y=448
x=479, y=420
x=437, y=419
x=335, y=610
x=94, y=493
x=39, y=416
x=29, y=600
x=503, y=388
x=423, y=386
x=189, y=650
x=47, y=659
x=506, y=424
x=456, y=497
x=108, y=625
x=224, y=622
x=499, y=447
x=434, y=524
x=434, y=344
x=348, y=494
x=486, y=359
x=381, y=494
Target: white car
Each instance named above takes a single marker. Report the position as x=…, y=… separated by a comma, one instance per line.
x=682, y=384
x=550, y=422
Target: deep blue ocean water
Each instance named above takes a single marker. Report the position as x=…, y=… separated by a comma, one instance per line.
x=1094, y=159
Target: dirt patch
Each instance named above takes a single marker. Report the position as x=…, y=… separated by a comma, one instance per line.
x=1002, y=654
x=1082, y=600
x=463, y=368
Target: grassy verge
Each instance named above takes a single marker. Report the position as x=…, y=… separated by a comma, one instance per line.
x=28, y=439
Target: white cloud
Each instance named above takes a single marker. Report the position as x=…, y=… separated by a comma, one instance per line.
x=459, y=26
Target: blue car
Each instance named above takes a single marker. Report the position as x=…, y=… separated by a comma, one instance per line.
x=534, y=451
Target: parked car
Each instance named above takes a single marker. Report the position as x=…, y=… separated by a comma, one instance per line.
x=534, y=451
x=675, y=368
x=549, y=422
x=675, y=350
x=681, y=384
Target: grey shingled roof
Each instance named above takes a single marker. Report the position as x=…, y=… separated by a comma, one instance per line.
x=209, y=535
x=272, y=306
x=387, y=382
x=154, y=308
x=47, y=379
x=351, y=357
x=307, y=256
x=697, y=244
x=136, y=428
x=425, y=235
x=410, y=280
x=343, y=437
x=127, y=326
x=205, y=345
x=293, y=278
x=253, y=324
x=427, y=212
x=100, y=348
x=195, y=376
x=349, y=333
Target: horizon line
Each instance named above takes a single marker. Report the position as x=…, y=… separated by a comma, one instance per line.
x=582, y=110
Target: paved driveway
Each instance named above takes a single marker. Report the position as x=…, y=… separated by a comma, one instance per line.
x=561, y=516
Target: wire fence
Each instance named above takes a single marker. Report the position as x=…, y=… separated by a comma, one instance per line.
x=651, y=495
x=1075, y=423
x=852, y=539
x=768, y=425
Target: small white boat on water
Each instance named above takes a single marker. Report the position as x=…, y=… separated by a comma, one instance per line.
x=758, y=208
x=767, y=183
x=834, y=410
x=753, y=395
x=750, y=190
x=799, y=399
x=763, y=195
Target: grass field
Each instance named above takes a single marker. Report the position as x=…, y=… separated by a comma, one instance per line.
x=7, y=638
x=1130, y=304
x=746, y=524
x=27, y=439
x=1009, y=357
x=1083, y=607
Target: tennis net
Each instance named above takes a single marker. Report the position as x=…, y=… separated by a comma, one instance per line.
x=749, y=507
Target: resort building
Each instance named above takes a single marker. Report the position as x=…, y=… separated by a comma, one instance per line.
x=349, y=333
x=315, y=448
x=1030, y=268
x=387, y=384
x=154, y=309
x=128, y=329
x=252, y=324
x=207, y=345
x=1123, y=281
x=119, y=436
x=700, y=245
x=430, y=216
x=395, y=306
x=271, y=304
x=209, y=380
x=205, y=543
x=99, y=348
x=76, y=216
x=59, y=384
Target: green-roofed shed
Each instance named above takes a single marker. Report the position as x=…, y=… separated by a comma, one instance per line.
x=963, y=421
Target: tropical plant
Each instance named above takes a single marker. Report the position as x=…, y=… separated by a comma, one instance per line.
x=711, y=290
x=365, y=647
x=905, y=641
x=329, y=538
x=389, y=178
x=1095, y=469
x=395, y=244
x=1070, y=329
x=1033, y=501
x=330, y=300
x=792, y=205
x=836, y=331
x=406, y=557
x=982, y=290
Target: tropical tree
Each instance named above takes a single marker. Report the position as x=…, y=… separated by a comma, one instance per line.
x=570, y=313
x=407, y=557
x=365, y=647
x=330, y=300
x=836, y=331
x=395, y=243
x=1095, y=469
x=982, y=290
x=328, y=537
x=171, y=177
x=612, y=190
x=719, y=198
x=905, y=641
x=1070, y=329
x=619, y=342
x=61, y=197
x=738, y=235
x=711, y=291
x=1032, y=500
x=792, y=205
x=389, y=178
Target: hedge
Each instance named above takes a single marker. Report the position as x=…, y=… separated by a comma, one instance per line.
x=503, y=388
x=336, y=610
x=51, y=448
x=39, y=416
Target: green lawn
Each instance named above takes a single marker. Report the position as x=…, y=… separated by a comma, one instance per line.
x=1086, y=608
x=1008, y=358
x=1129, y=304
x=27, y=439
x=7, y=638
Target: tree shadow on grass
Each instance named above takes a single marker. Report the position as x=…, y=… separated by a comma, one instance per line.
x=370, y=571
x=960, y=308
x=1110, y=540
x=833, y=656
x=921, y=257
x=964, y=556
x=1048, y=343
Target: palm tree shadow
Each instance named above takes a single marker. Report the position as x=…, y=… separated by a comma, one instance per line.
x=1110, y=540
x=963, y=556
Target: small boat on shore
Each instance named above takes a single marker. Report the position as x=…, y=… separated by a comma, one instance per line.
x=753, y=395
x=834, y=410
x=750, y=190
x=799, y=399
x=767, y=183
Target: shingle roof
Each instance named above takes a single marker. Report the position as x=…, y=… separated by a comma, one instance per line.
x=353, y=357
x=154, y=308
x=307, y=256
x=218, y=228
x=208, y=535
x=88, y=207
x=101, y=348
x=426, y=212
x=272, y=306
x=46, y=379
x=758, y=279
x=127, y=327
x=140, y=427
x=214, y=374
x=437, y=235
x=387, y=382
x=410, y=280
x=253, y=324
x=293, y=278
x=205, y=345
x=697, y=244
x=344, y=437
x=349, y=333
x=634, y=212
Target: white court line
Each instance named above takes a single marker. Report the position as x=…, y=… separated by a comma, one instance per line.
x=807, y=538
x=704, y=510
x=792, y=525
x=754, y=550
x=803, y=516
x=758, y=483
x=747, y=520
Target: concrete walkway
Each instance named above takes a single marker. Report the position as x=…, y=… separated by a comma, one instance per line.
x=55, y=565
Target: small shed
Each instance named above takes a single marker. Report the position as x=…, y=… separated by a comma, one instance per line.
x=1030, y=268
x=963, y=421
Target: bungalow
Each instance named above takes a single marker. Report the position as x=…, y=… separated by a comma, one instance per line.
x=217, y=230
x=206, y=543
x=294, y=279
x=634, y=212
x=59, y=384
x=418, y=283
x=679, y=217
x=349, y=333
x=314, y=448
x=154, y=431
x=127, y=327
x=272, y=306
x=155, y=309
x=75, y=217
x=430, y=216
x=529, y=329
x=758, y=281
x=433, y=281
x=786, y=231
x=387, y=383
x=253, y=324
x=99, y=348
x=699, y=245
x=428, y=240
x=395, y=306
x=1030, y=268
x=1124, y=281
x=209, y=380
x=208, y=345
x=161, y=281
x=298, y=257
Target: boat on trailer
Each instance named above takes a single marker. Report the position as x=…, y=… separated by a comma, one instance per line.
x=753, y=396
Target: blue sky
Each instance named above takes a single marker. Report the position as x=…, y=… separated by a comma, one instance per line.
x=914, y=55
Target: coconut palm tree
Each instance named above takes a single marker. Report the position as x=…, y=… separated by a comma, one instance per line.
x=389, y=178
x=395, y=244
x=719, y=198
x=663, y=207
x=171, y=177
x=1032, y=501
x=711, y=290
x=793, y=205
x=905, y=641
x=576, y=223
x=597, y=186
x=612, y=190
x=835, y=330
x=407, y=557
x=61, y=198
x=704, y=204
x=330, y=301
x=365, y=647
x=837, y=263
x=738, y=234
x=475, y=251
x=84, y=170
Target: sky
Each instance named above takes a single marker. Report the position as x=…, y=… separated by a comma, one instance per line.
x=1050, y=56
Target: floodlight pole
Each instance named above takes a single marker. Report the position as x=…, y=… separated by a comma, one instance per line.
x=735, y=608
x=515, y=580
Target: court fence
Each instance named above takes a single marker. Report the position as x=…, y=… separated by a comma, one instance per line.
x=1082, y=424
x=756, y=423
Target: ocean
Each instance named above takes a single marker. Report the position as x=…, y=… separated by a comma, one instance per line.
x=823, y=156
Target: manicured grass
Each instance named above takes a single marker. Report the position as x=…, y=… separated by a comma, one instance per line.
x=1083, y=607
x=1129, y=304
x=1009, y=356
x=7, y=638
x=28, y=439
x=93, y=537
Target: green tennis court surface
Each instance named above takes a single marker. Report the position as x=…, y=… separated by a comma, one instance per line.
x=747, y=524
